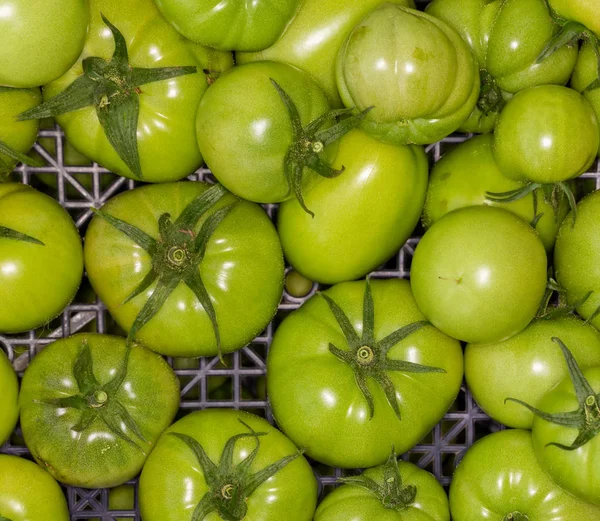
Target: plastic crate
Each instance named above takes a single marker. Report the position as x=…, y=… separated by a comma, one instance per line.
x=438, y=452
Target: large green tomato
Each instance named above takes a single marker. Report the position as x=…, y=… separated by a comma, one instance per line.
x=356, y=370
x=536, y=365
x=582, y=11
x=19, y=136
x=163, y=111
x=187, y=263
x=577, y=258
x=546, y=134
x=222, y=464
x=231, y=24
x=506, y=37
x=312, y=39
x=395, y=491
x=380, y=194
x=464, y=176
x=93, y=407
x=9, y=395
x=41, y=259
x=500, y=479
x=566, y=427
x=479, y=274
x=415, y=70
x=40, y=41
x=585, y=73
x=28, y=492
x=245, y=131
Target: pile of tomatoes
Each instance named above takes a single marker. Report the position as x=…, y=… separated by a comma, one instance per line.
x=323, y=108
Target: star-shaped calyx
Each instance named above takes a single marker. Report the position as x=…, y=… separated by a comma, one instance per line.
x=176, y=255
x=515, y=516
x=8, y=233
x=309, y=142
x=113, y=88
x=368, y=357
x=586, y=419
x=230, y=485
x=392, y=493
x=99, y=401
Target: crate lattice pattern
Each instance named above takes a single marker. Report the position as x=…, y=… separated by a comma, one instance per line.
x=438, y=452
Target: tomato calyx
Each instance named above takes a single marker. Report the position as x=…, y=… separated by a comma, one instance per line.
x=15, y=155
x=553, y=193
x=96, y=401
x=9, y=233
x=310, y=141
x=392, y=493
x=490, y=96
x=586, y=419
x=231, y=485
x=4, y=518
x=515, y=516
x=562, y=308
x=113, y=88
x=176, y=256
x=368, y=357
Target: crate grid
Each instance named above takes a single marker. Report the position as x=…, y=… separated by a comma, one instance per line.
x=438, y=452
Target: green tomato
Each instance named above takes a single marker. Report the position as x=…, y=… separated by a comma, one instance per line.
x=28, y=492
x=9, y=394
x=546, y=134
x=347, y=399
x=40, y=271
x=231, y=24
x=479, y=274
x=396, y=491
x=536, y=366
x=220, y=459
x=585, y=73
x=500, y=479
x=166, y=136
x=464, y=176
x=18, y=135
x=40, y=42
x=506, y=37
x=577, y=258
x=297, y=285
x=582, y=11
x=120, y=498
x=415, y=70
x=380, y=194
x=92, y=408
x=312, y=39
x=566, y=427
x=245, y=144
x=237, y=280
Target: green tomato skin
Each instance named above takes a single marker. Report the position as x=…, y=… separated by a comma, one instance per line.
x=30, y=56
x=462, y=177
x=171, y=492
x=166, y=125
x=96, y=458
x=9, y=394
x=245, y=144
x=380, y=194
x=242, y=270
x=316, y=400
x=582, y=11
x=576, y=471
x=356, y=503
x=546, y=134
x=36, y=282
x=416, y=71
x=312, y=39
x=19, y=135
x=28, y=492
x=231, y=24
x=536, y=366
x=506, y=37
x=577, y=256
x=500, y=474
x=479, y=286
x=586, y=71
